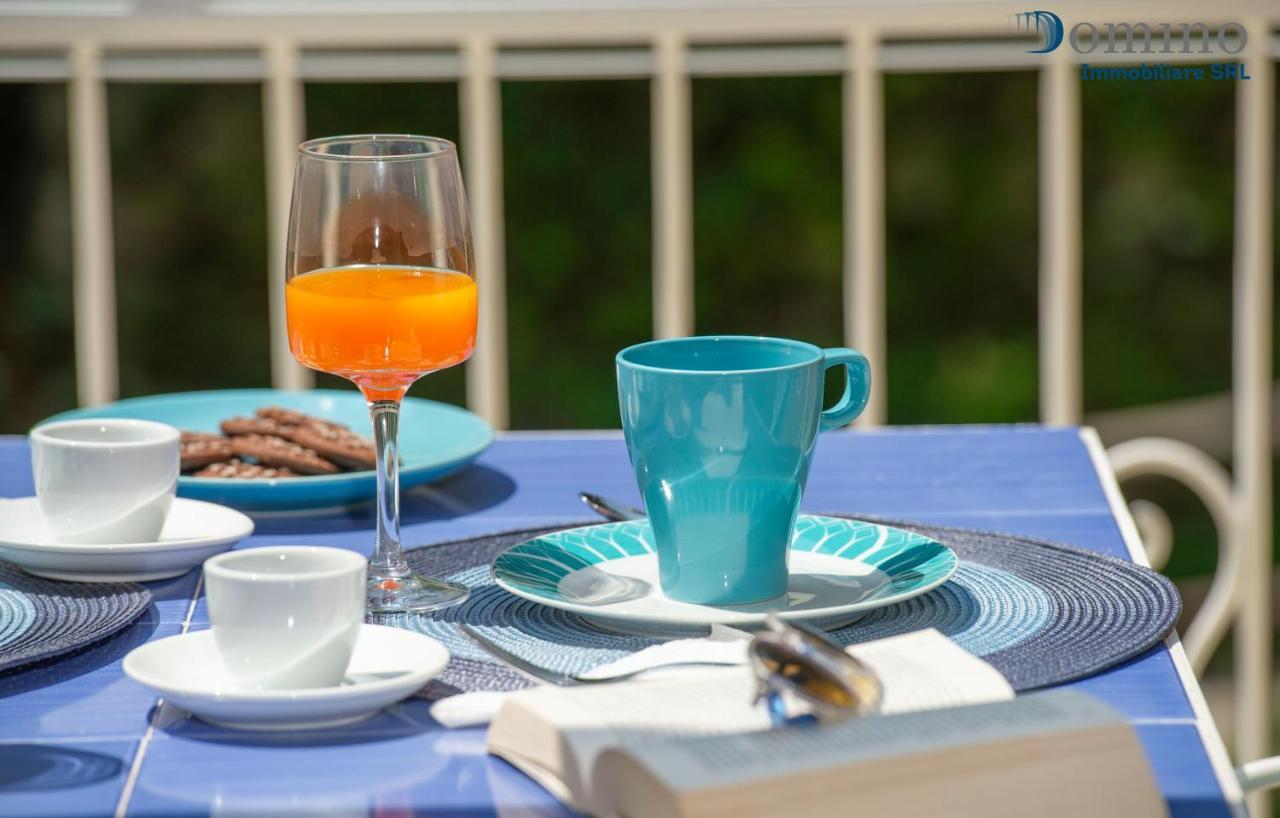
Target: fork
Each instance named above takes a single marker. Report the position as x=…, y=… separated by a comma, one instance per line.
x=561, y=678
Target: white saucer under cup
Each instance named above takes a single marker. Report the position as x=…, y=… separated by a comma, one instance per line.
x=286, y=617
x=193, y=532
x=106, y=480
x=387, y=666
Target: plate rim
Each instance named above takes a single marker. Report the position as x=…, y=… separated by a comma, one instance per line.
x=432, y=667
x=196, y=396
x=727, y=616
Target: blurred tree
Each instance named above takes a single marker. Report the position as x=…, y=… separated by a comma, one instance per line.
x=37, y=340
x=190, y=236
x=961, y=247
x=576, y=173
x=961, y=244
x=1157, y=194
x=1158, y=168
x=767, y=208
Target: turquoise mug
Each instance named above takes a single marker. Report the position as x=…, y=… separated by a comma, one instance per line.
x=721, y=431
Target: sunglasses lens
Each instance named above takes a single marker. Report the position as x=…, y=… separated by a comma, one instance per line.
x=808, y=678
x=806, y=664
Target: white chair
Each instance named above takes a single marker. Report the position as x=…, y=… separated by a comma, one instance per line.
x=1212, y=483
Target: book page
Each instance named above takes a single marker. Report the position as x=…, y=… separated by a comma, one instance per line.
x=591, y=719
x=711, y=762
x=924, y=670
x=919, y=670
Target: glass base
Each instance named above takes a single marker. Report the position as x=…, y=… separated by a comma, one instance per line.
x=412, y=594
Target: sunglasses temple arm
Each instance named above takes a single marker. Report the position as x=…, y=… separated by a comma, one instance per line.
x=776, y=707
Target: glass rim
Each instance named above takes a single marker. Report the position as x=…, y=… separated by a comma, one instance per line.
x=432, y=146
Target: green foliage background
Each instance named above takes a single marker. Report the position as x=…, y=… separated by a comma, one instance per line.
x=962, y=242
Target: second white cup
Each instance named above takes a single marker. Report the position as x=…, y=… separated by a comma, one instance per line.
x=286, y=616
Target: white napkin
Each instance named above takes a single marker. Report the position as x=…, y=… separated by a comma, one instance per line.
x=724, y=644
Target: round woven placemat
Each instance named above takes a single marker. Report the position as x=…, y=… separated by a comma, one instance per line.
x=44, y=618
x=1042, y=613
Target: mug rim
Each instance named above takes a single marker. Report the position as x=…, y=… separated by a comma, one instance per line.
x=815, y=350
x=164, y=434
x=347, y=562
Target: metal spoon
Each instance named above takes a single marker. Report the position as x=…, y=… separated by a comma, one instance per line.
x=610, y=510
x=559, y=677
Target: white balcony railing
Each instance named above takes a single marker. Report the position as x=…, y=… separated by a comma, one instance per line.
x=282, y=44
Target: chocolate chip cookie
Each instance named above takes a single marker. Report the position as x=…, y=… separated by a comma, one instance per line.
x=339, y=444
x=239, y=470
x=276, y=451
x=292, y=417
x=197, y=450
x=255, y=426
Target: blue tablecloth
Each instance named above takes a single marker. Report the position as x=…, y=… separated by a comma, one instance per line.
x=78, y=738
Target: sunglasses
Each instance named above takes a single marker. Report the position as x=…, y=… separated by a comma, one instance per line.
x=804, y=677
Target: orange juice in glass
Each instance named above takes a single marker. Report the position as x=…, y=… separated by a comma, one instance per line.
x=380, y=289
x=381, y=326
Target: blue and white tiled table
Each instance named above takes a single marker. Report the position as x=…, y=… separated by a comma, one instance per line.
x=78, y=738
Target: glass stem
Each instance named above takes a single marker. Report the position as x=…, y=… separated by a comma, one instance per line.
x=388, y=559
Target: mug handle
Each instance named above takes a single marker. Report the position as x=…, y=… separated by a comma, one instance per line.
x=857, y=386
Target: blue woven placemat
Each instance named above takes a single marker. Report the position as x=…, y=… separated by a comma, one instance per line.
x=44, y=618
x=1041, y=613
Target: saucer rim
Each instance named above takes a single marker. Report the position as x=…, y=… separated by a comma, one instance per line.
x=244, y=528
x=432, y=666
x=724, y=615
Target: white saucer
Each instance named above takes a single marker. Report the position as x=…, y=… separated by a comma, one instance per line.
x=193, y=532
x=389, y=664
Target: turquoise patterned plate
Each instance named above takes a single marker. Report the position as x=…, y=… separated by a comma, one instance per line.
x=840, y=569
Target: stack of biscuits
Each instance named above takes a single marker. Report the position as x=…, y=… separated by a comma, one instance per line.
x=275, y=442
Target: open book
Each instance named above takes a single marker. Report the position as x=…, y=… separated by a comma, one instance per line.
x=951, y=740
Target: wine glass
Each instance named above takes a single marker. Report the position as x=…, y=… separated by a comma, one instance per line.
x=380, y=289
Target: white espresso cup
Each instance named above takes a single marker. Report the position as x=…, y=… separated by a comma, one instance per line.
x=105, y=480
x=286, y=616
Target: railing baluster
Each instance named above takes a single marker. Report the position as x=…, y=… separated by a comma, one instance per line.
x=97, y=376
x=1060, y=243
x=672, y=169
x=1252, y=328
x=864, y=299
x=481, y=104
x=284, y=127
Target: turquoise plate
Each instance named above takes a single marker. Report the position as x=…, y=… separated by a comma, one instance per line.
x=435, y=440
x=840, y=569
